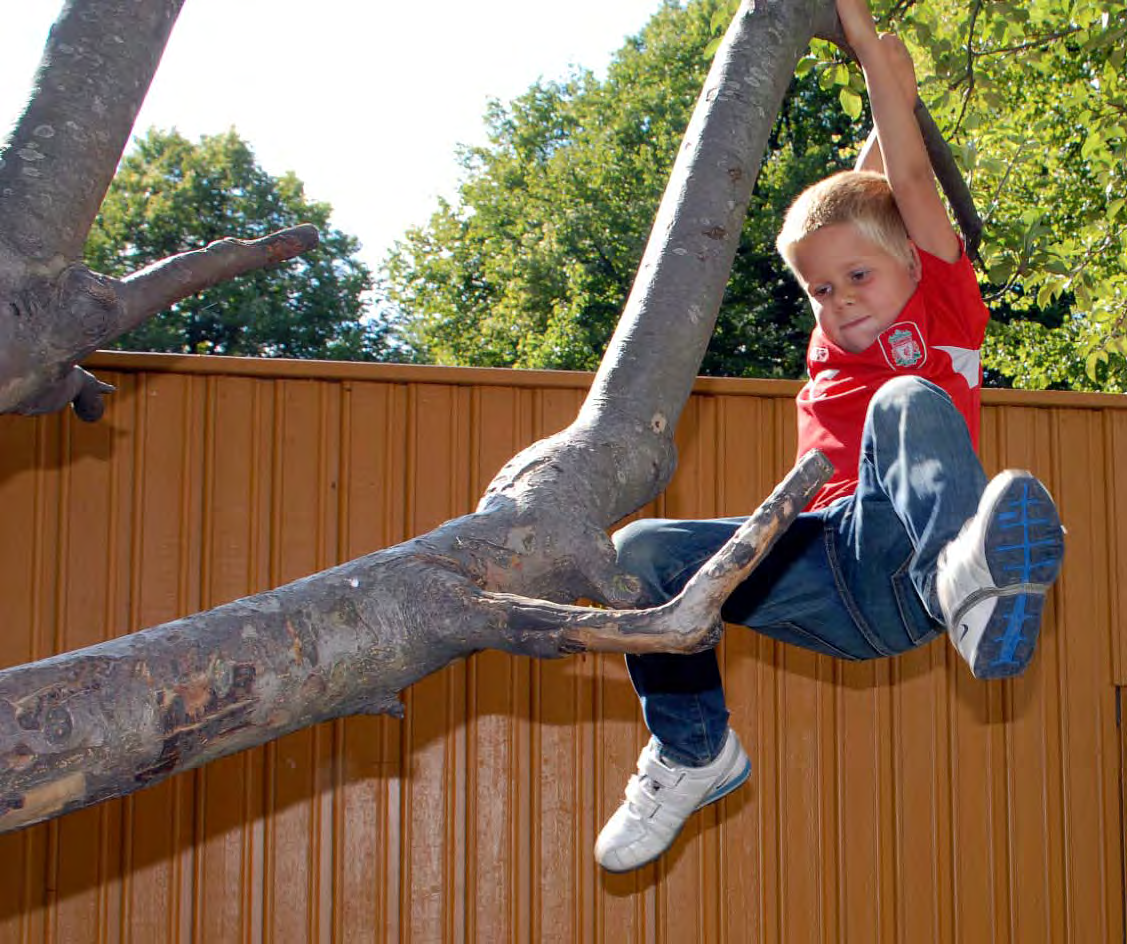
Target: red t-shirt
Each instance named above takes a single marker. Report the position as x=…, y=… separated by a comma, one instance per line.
x=938, y=336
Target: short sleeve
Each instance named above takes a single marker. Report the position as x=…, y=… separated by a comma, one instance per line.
x=953, y=299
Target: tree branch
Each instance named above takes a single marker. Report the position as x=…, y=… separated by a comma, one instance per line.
x=162, y=284
x=54, y=325
x=952, y=182
x=99, y=61
x=690, y=621
x=106, y=720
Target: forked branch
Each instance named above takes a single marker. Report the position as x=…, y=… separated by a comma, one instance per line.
x=55, y=325
x=104, y=721
x=691, y=620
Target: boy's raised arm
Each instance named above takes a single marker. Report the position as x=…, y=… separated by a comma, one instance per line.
x=890, y=81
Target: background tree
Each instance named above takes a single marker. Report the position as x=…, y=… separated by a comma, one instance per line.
x=532, y=265
x=525, y=268
x=170, y=194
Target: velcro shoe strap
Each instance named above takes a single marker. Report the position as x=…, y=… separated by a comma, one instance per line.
x=643, y=802
x=659, y=773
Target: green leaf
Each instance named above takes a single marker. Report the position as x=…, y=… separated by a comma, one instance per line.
x=850, y=102
x=1093, y=361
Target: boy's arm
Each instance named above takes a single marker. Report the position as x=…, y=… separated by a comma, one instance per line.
x=890, y=81
x=870, y=157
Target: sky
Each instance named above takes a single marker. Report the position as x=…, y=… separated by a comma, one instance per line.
x=364, y=101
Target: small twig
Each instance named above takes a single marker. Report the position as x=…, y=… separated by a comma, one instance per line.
x=1031, y=44
x=156, y=287
x=975, y=10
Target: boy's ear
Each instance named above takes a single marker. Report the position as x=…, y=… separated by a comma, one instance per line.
x=915, y=267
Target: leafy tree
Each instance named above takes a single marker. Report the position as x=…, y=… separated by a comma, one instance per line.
x=531, y=265
x=534, y=263
x=170, y=194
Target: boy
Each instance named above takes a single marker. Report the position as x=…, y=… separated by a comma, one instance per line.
x=907, y=538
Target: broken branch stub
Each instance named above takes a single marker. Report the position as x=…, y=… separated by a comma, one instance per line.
x=60, y=322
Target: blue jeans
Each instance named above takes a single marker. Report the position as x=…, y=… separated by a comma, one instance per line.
x=854, y=580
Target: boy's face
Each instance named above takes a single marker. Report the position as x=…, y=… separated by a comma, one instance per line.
x=855, y=287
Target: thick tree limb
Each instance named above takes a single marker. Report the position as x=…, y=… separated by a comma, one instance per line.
x=99, y=61
x=688, y=622
x=670, y=314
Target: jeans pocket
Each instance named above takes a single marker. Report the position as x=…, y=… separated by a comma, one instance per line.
x=795, y=635
x=918, y=624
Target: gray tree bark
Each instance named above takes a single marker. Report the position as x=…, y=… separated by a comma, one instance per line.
x=100, y=722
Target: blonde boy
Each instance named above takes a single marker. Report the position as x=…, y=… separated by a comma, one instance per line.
x=908, y=539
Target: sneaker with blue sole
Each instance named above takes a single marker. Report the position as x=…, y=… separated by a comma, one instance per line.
x=660, y=797
x=993, y=578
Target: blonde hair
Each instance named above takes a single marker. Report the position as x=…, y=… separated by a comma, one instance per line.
x=860, y=197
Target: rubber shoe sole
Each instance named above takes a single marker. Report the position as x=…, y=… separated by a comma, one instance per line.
x=1024, y=549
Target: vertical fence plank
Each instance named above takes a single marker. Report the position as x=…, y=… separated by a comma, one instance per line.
x=238, y=441
x=1089, y=778
x=367, y=847
x=164, y=565
x=29, y=483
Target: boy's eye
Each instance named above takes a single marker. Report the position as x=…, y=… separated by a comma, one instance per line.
x=819, y=291
x=859, y=275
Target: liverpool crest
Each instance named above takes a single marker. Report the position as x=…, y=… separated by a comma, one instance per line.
x=903, y=345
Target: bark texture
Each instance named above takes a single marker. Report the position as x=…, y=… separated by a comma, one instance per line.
x=104, y=721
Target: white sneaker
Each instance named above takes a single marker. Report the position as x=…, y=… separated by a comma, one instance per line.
x=659, y=798
x=992, y=579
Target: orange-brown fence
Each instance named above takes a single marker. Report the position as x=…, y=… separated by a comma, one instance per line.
x=897, y=800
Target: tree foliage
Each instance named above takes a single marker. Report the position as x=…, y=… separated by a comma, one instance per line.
x=533, y=263
x=530, y=266
x=171, y=194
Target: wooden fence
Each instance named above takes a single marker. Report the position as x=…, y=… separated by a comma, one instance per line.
x=897, y=800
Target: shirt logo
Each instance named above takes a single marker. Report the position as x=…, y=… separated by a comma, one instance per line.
x=903, y=345
x=819, y=354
